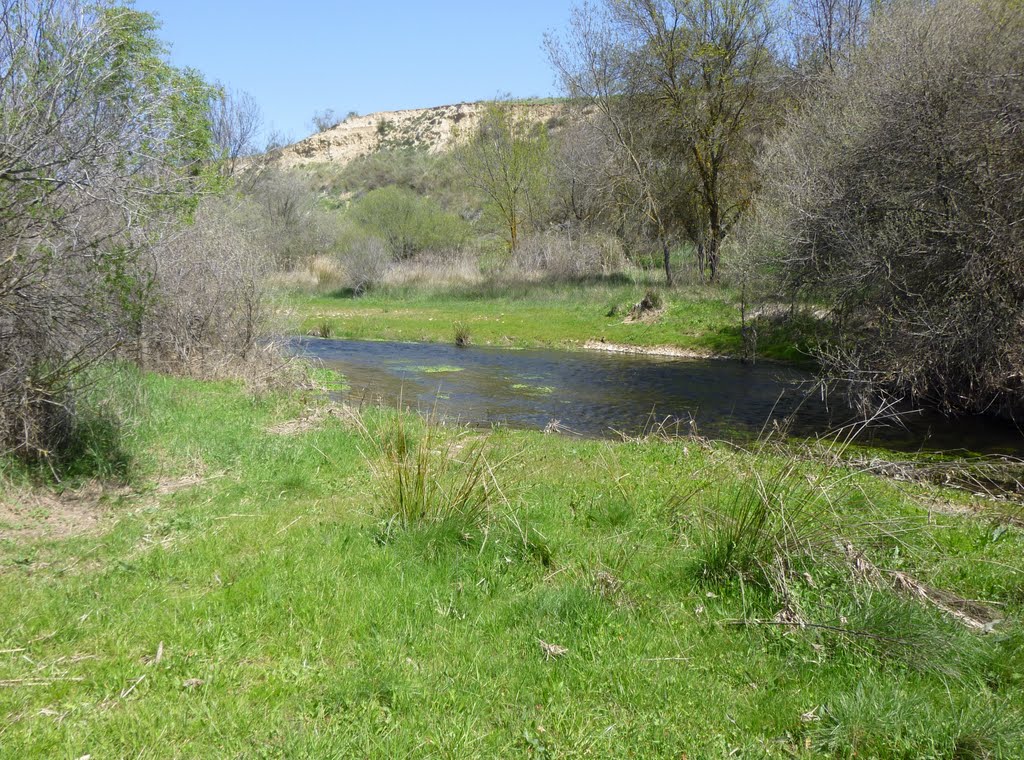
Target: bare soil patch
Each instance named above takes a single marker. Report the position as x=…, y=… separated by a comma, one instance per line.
x=30, y=514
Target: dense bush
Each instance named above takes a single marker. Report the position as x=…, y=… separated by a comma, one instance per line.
x=207, y=299
x=294, y=227
x=408, y=223
x=105, y=146
x=433, y=174
x=897, y=196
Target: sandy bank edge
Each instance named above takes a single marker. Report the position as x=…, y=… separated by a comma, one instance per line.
x=673, y=351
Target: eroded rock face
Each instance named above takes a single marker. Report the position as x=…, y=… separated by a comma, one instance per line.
x=435, y=129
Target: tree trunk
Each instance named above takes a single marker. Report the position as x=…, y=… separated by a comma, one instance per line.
x=713, y=249
x=667, y=254
x=715, y=239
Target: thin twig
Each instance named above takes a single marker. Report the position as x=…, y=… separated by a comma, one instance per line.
x=286, y=527
x=837, y=629
x=132, y=688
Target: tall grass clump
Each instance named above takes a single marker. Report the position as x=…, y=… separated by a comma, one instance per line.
x=426, y=475
x=460, y=332
x=763, y=530
x=88, y=427
x=921, y=638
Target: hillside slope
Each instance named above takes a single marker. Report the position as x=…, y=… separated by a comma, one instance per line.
x=436, y=129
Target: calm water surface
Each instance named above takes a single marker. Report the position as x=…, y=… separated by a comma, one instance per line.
x=597, y=394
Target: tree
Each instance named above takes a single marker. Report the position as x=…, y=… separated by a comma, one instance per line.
x=324, y=120
x=236, y=121
x=407, y=223
x=678, y=85
x=896, y=196
x=104, y=145
x=826, y=32
x=507, y=161
x=593, y=64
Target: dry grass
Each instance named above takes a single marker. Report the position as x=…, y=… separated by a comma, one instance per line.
x=327, y=272
x=29, y=514
x=315, y=418
x=434, y=270
x=318, y=274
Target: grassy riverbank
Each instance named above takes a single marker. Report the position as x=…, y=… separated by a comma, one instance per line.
x=251, y=593
x=703, y=320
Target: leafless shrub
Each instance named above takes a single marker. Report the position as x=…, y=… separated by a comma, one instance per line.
x=898, y=196
x=560, y=256
x=207, y=296
x=364, y=264
x=97, y=158
x=294, y=227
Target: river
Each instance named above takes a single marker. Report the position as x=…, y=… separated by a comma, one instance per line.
x=598, y=394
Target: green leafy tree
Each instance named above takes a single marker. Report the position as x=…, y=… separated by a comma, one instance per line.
x=679, y=88
x=507, y=161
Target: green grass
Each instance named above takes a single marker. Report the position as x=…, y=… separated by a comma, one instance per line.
x=700, y=319
x=292, y=624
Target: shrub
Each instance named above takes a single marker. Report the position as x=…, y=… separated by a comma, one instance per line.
x=896, y=195
x=407, y=223
x=423, y=173
x=105, y=147
x=560, y=256
x=364, y=264
x=292, y=225
x=207, y=292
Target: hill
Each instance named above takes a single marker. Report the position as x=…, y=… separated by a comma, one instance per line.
x=435, y=129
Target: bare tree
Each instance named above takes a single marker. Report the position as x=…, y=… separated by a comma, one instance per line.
x=826, y=32
x=593, y=63
x=324, y=120
x=236, y=121
x=897, y=195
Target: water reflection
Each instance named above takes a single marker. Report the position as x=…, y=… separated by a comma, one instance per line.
x=598, y=394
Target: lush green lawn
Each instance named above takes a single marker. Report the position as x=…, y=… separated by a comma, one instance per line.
x=290, y=622
x=700, y=319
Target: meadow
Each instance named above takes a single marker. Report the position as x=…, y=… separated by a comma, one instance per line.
x=280, y=576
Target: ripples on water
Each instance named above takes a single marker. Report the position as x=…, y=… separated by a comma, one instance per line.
x=596, y=394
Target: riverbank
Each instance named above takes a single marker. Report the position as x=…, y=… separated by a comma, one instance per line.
x=250, y=590
x=693, y=321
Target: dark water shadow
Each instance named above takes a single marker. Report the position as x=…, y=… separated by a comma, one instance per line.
x=600, y=395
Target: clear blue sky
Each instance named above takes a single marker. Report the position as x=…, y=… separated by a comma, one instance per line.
x=302, y=56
